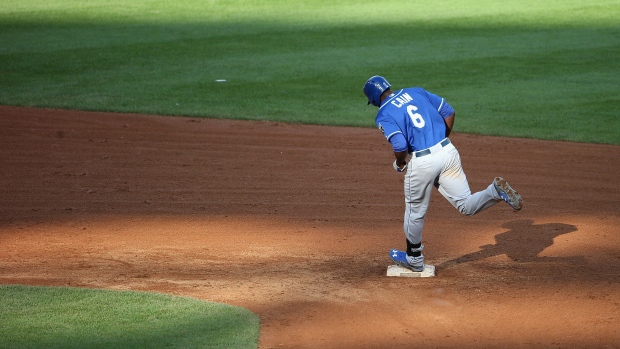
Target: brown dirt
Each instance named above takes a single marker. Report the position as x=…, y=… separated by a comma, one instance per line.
x=295, y=222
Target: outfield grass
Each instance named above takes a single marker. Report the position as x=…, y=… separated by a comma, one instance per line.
x=41, y=317
x=530, y=68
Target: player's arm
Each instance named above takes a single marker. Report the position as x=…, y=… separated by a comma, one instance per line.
x=449, y=123
x=395, y=137
x=399, y=145
x=444, y=109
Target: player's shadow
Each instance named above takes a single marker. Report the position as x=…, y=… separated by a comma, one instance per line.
x=523, y=242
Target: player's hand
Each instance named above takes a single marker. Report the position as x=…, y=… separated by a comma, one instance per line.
x=398, y=168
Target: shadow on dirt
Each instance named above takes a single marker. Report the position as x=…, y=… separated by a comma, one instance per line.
x=523, y=242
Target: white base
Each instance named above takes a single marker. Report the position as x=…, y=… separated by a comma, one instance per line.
x=397, y=270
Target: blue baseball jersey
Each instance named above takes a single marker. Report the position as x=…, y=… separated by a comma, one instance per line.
x=412, y=119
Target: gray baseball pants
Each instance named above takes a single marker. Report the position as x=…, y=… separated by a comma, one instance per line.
x=441, y=168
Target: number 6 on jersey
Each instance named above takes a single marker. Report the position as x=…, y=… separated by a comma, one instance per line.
x=416, y=118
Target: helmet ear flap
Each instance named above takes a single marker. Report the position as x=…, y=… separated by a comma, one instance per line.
x=374, y=88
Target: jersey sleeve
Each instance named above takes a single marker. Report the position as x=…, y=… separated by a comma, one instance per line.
x=392, y=132
x=387, y=126
x=398, y=142
x=444, y=109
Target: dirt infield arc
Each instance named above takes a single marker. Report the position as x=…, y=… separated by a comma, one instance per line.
x=294, y=222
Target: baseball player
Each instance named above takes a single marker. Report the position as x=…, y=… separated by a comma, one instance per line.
x=417, y=124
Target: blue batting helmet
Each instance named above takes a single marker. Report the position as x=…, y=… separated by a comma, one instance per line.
x=374, y=88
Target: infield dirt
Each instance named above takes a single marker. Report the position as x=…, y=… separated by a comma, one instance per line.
x=295, y=223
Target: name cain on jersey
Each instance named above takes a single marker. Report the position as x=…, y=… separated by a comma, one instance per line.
x=401, y=100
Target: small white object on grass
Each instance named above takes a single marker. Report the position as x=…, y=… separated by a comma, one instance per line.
x=220, y=80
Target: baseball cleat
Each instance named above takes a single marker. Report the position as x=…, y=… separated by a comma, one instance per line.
x=507, y=193
x=412, y=263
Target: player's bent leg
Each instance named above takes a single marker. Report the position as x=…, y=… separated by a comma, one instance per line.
x=477, y=202
x=454, y=187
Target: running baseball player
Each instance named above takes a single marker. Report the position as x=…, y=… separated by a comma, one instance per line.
x=417, y=124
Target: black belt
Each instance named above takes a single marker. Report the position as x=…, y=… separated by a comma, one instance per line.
x=428, y=151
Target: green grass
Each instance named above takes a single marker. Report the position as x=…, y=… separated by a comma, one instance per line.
x=530, y=68
x=40, y=317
